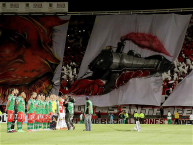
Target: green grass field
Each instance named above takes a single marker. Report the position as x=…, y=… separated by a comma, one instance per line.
x=104, y=134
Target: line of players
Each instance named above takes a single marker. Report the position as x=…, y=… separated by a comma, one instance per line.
x=42, y=111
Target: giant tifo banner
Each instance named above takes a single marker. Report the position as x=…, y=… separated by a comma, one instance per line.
x=114, y=59
x=124, y=59
x=30, y=57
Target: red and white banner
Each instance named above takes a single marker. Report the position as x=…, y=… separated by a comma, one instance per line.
x=146, y=36
x=182, y=94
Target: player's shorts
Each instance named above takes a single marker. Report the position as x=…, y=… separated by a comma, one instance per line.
x=41, y=118
x=20, y=117
x=34, y=115
x=30, y=118
x=23, y=118
x=40, y=115
x=10, y=116
x=62, y=116
x=46, y=117
x=50, y=116
x=37, y=118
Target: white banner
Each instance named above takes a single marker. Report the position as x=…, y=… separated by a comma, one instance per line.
x=168, y=29
x=182, y=94
x=59, y=40
x=25, y=7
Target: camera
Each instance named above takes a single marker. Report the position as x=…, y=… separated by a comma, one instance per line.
x=69, y=99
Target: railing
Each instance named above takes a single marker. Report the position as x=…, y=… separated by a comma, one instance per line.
x=152, y=11
x=122, y=12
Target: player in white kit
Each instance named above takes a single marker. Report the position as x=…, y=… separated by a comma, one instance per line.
x=61, y=122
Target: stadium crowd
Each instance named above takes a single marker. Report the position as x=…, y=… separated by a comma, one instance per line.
x=183, y=65
x=78, y=35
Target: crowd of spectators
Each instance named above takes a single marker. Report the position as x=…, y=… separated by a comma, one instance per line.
x=173, y=77
x=79, y=31
x=183, y=65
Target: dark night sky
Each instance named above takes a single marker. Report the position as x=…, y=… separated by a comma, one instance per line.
x=81, y=5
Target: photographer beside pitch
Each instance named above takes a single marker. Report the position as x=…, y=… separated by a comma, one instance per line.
x=69, y=108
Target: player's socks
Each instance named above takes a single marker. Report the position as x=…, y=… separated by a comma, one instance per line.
x=12, y=125
x=8, y=126
x=28, y=126
x=39, y=126
x=35, y=125
x=48, y=128
x=32, y=126
x=18, y=125
x=44, y=125
x=48, y=125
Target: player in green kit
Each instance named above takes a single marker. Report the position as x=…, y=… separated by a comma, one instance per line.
x=23, y=118
x=21, y=111
x=50, y=111
x=43, y=111
x=30, y=111
x=34, y=114
x=46, y=116
x=37, y=115
x=10, y=108
x=15, y=110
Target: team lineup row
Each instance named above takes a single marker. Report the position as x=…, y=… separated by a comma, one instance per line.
x=43, y=111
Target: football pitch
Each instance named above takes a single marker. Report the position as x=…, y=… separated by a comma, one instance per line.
x=104, y=134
